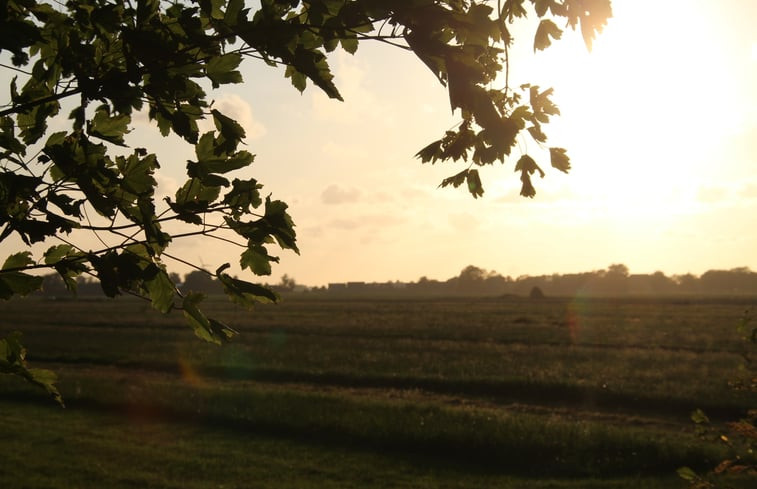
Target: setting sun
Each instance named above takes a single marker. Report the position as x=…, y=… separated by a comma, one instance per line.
x=649, y=99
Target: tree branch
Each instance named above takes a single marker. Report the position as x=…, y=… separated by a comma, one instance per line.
x=17, y=109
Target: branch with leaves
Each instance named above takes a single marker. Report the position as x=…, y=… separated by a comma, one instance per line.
x=109, y=59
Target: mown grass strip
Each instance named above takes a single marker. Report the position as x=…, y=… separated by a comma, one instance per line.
x=488, y=439
x=500, y=390
x=44, y=446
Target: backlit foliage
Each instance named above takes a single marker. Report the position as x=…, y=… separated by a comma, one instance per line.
x=96, y=63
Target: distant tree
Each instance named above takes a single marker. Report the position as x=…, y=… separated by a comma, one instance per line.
x=496, y=283
x=108, y=59
x=687, y=284
x=199, y=282
x=615, y=280
x=287, y=283
x=735, y=281
x=536, y=294
x=472, y=274
x=617, y=270
x=661, y=284
x=175, y=278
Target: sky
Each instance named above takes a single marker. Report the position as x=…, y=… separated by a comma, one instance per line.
x=660, y=122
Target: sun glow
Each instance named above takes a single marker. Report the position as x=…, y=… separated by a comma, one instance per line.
x=644, y=112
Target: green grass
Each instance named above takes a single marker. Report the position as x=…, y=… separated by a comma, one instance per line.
x=49, y=447
x=465, y=393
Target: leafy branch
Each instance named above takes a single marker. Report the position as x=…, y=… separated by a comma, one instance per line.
x=110, y=59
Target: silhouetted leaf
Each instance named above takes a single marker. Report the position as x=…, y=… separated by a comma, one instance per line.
x=18, y=260
x=111, y=129
x=245, y=293
x=205, y=328
x=160, y=288
x=68, y=262
x=349, y=44
x=299, y=80
x=282, y=226
x=527, y=188
x=137, y=173
x=542, y=105
x=13, y=361
x=527, y=167
x=526, y=164
x=687, y=474
x=232, y=133
x=513, y=9
x=15, y=282
x=243, y=196
x=46, y=379
x=196, y=196
x=257, y=259
x=455, y=180
x=8, y=138
x=536, y=133
x=66, y=203
x=233, y=11
x=56, y=253
x=474, y=183
x=431, y=153
x=546, y=30
x=222, y=69
x=593, y=20
x=559, y=159
x=541, y=6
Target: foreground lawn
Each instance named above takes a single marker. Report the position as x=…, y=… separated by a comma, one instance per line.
x=44, y=447
x=422, y=393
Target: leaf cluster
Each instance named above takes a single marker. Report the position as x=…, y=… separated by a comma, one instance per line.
x=13, y=361
x=467, y=49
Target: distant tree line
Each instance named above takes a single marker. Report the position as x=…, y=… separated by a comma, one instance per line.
x=615, y=281
x=196, y=281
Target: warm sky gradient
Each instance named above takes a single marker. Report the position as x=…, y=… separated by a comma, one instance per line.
x=660, y=122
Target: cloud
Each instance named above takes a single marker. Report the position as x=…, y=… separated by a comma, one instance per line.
x=166, y=187
x=234, y=106
x=365, y=221
x=346, y=224
x=335, y=195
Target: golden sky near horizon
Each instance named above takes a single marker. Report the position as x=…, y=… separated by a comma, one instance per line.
x=660, y=122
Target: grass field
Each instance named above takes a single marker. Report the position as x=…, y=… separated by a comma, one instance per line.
x=361, y=393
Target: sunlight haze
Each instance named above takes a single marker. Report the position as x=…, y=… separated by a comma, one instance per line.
x=659, y=122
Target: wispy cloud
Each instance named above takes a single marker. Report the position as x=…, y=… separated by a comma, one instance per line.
x=335, y=195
